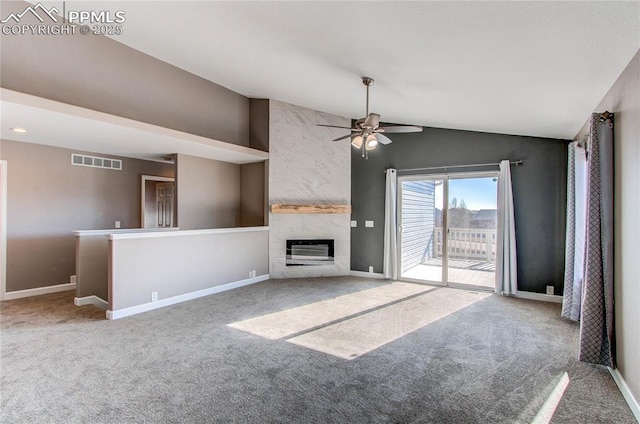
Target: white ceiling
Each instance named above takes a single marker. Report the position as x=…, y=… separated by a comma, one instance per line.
x=519, y=67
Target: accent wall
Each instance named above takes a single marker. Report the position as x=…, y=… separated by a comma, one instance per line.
x=539, y=187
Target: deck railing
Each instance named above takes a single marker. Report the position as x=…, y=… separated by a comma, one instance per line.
x=472, y=243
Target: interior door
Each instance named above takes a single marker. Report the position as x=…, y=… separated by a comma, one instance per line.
x=447, y=229
x=164, y=199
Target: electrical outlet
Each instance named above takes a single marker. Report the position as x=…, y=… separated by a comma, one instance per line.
x=72, y=279
x=550, y=290
x=371, y=269
x=368, y=224
x=154, y=296
x=117, y=224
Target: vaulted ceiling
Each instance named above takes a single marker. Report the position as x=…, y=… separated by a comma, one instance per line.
x=521, y=67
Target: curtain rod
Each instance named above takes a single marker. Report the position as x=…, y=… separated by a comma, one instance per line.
x=513, y=162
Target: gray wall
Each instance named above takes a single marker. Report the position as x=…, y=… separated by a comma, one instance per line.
x=48, y=198
x=624, y=100
x=208, y=260
x=539, y=188
x=207, y=193
x=252, y=194
x=99, y=73
x=92, y=260
x=259, y=124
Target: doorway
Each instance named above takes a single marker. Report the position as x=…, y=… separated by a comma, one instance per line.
x=157, y=201
x=447, y=229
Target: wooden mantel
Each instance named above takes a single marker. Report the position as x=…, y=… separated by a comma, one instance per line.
x=309, y=209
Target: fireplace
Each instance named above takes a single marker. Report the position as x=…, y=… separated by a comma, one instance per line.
x=310, y=252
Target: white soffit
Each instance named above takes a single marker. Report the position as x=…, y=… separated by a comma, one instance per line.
x=62, y=125
x=534, y=68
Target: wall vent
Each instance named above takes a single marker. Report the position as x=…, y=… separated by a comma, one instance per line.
x=96, y=162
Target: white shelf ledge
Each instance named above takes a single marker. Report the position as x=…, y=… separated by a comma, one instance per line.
x=71, y=127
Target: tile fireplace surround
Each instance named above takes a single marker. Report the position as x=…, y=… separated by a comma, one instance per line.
x=307, y=168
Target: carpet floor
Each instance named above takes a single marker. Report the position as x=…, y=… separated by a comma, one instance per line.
x=490, y=360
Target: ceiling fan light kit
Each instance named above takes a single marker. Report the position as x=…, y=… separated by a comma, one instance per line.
x=356, y=141
x=366, y=133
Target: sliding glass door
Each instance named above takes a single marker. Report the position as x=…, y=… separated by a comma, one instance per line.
x=447, y=229
x=420, y=217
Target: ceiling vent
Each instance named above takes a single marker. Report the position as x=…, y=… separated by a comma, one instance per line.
x=96, y=162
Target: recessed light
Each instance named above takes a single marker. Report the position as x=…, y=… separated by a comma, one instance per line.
x=18, y=130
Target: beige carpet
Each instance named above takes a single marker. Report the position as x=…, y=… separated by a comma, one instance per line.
x=295, y=320
x=496, y=360
x=359, y=335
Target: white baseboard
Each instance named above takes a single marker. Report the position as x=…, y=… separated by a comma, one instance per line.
x=91, y=300
x=133, y=310
x=18, y=294
x=375, y=275
x=539, y=296
x=626, y=392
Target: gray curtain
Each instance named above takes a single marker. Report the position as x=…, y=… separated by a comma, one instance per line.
x=390, y=265
x=597, y=343
x=506, y=264
x=575, y=236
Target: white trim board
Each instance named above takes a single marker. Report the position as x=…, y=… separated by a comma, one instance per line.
x=138, y=309
x=63, y=125
x=155, y=234
x=18, y=294
x=364, y=274
x=3, y=229
x=91, y=300
x=626, y=392
x=539, y=296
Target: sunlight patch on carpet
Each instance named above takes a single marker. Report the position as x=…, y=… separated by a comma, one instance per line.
x=295, y=320
x=356, y=336
x=551, y=404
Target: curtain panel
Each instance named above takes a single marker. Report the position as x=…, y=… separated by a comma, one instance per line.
x=597, y=344
x=390, y=264
x=575, y=237
x=506, y=265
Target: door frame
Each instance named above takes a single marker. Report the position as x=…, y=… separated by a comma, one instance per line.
x=445, y=177
x=143, y=193
x=3, y=229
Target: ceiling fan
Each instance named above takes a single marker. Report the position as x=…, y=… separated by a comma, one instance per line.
x=367, y=132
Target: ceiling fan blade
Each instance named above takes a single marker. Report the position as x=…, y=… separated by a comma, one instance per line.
x=336, y=126
x=383, y=139
x=372, y=121
x=343, y=137
x=400, y=129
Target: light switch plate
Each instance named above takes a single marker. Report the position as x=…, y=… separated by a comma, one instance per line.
x=354, y=224
x=368, y=224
